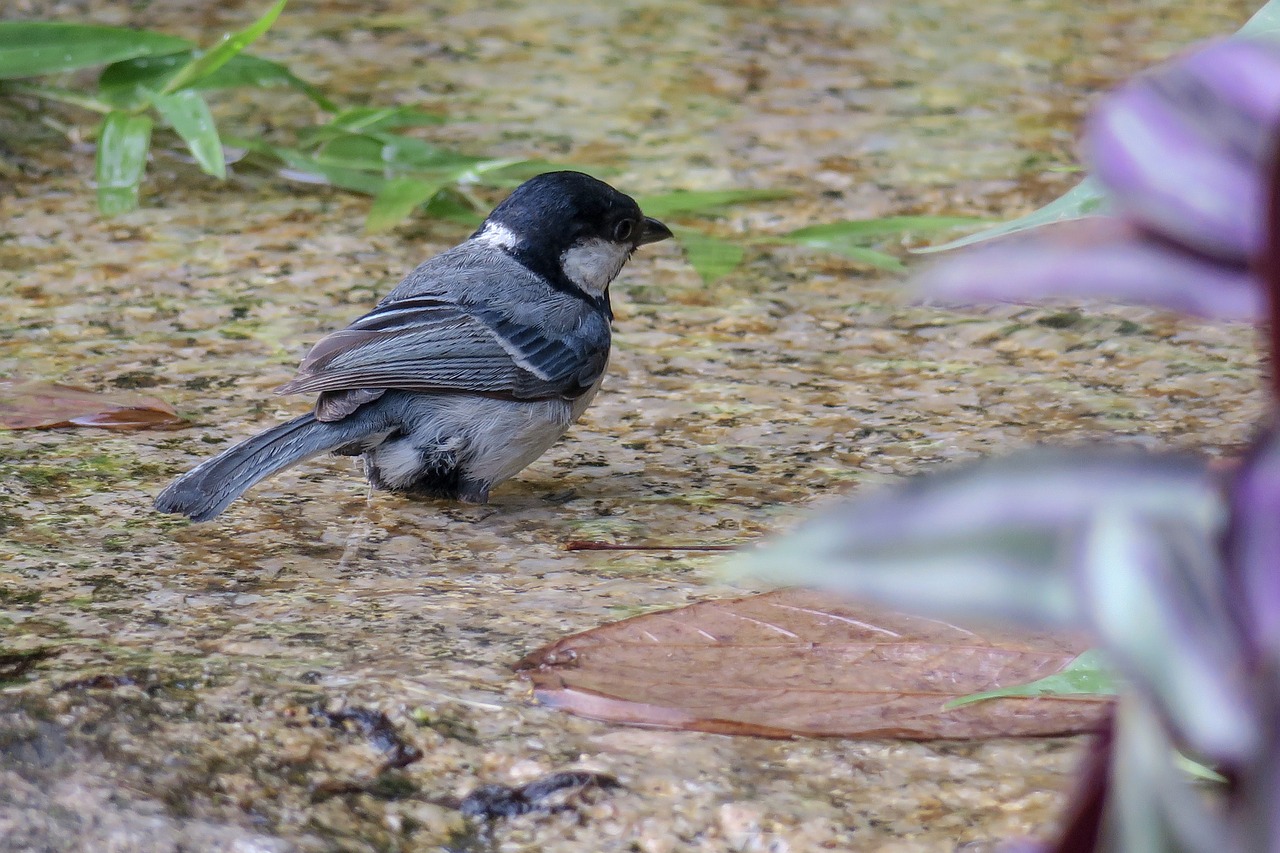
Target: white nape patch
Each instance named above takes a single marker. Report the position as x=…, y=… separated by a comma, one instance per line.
x=592, y=264
x=498, y=235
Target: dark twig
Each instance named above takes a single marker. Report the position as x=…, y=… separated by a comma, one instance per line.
x=494, y=801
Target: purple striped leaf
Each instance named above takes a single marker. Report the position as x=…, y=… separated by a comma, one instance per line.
x=1101, y=258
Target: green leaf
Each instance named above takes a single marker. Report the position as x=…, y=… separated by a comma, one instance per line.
x=1088, y=674
x=671, y=204
x=396, y=200
x=1087, y=199
x=850, y=238
x=352, y=151
x=452, y=206
x=480, y=172
x=123, y=140
x=33, y=48
x=247, y=70
x=866, y=230
x=304, y=168
x=710, y=257
x=189, y=116
x=1197, y=770
x=861, y=254
x=410, y=153
x=391, y=154
x=357, y=119
x=517, y=172
x=205, y=63
x=241, y=71
x=53, y=93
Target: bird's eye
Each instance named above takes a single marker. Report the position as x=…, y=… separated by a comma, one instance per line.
x=623, y=230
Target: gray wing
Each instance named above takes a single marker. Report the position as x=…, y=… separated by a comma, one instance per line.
x=431, y=343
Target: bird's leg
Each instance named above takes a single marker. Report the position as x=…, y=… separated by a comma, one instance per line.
x=473, y=491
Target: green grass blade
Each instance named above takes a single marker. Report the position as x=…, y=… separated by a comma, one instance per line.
x=511, y=176
x=452, y=206
x=1198, y=770
x=122, y=78
x=368, y=119
x=33, y=48
x=123, y=141
x=710, y=257
x=248, y=71
x=353, y=151
x=1087, y=199
x=396, y=200
x=866, y=230
x=409, y=153
x=394, y=154
x=206, y=63
x=671, y=204
x=189, y=116
x=1088, y=675
x=304, y=168
x=863, y=255
x=53, y=93
x=849, y=238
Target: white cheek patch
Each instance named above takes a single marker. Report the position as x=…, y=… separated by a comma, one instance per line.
x=498, y=235
x=592, y=264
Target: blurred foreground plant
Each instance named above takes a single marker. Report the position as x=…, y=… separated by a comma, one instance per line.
x=1174, y=571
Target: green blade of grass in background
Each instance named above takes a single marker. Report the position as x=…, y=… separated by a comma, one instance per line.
x=1086, y=199
x=453, y=206
x=875, y=229
x=33, y=48
x=671, y=204
x=1088, y=674
x=123, y=141
x=206, y=63
x=398, y=198
x=189, y=116
x=710, y=257
x=54, y=93
x=304, y=168
x=861, y=254
x=369, y=119
x=849, y=239
x=241, y=71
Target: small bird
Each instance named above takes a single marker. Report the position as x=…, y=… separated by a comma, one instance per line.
x=475, y=364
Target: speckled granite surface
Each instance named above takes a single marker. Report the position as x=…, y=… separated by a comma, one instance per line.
x=728, y=410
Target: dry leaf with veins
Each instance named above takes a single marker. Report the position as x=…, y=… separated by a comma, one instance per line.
x=799, y=662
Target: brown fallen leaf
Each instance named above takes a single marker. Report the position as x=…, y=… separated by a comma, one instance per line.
x=800, y=662
x=44, y=405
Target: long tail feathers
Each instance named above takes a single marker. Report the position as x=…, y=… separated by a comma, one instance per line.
x=207, y=489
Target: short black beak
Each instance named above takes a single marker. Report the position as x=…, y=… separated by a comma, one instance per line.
x=653, y=232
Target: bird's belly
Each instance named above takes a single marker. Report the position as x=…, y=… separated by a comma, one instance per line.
x=522, y=433
x=480, y=439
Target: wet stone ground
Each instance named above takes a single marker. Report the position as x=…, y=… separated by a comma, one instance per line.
x=218, y=687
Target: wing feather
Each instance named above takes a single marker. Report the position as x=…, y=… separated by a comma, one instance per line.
x=428, y=343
